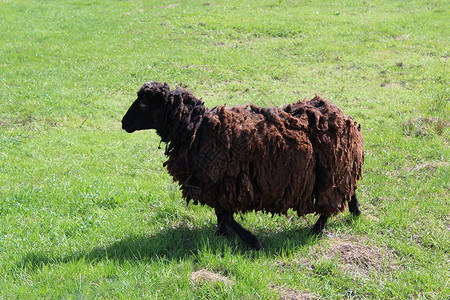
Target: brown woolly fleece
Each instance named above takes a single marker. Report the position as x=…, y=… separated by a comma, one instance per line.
x=306, y=156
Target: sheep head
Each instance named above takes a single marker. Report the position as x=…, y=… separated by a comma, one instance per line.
x=147, y=112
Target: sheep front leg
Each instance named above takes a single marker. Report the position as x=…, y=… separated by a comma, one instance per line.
x=225, y=219
x=320, y=224
x=221, y=224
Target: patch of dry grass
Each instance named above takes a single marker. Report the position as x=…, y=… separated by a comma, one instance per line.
x=205, y=276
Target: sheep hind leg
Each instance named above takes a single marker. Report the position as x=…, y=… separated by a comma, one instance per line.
x=244, y=234
x=320, y=224
x=353, y=206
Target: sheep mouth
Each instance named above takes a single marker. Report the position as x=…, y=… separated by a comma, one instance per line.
x=128, y=128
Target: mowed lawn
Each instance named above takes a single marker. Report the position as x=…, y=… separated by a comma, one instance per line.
x=88, y=211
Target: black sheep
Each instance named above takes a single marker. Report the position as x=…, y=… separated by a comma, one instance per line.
x=306, y=156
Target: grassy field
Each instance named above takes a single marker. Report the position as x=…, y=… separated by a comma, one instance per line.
x=88, y=211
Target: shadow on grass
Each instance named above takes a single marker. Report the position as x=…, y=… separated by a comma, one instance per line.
x=174, y=244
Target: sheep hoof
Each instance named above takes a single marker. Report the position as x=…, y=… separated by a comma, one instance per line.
x=248, y=238
x=255, y=244
x=314, y=233
x=220, y=233
x=223, y=232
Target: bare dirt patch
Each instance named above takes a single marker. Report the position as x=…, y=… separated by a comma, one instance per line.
x=204, y=276
x=424, y=126
x=358, y=258
x=170, y=6
x=430, y=166
x=285, y=293
x=352, y=255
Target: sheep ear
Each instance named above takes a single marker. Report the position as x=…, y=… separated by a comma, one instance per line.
x=167, y=91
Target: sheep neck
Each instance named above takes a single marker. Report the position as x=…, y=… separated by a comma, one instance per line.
x=182, y=118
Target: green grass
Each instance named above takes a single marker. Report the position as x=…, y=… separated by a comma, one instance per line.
x=88, y=211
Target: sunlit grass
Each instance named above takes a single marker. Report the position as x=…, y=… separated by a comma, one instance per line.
x=88, y=211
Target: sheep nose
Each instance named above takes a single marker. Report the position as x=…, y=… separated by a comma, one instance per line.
x=126, y=125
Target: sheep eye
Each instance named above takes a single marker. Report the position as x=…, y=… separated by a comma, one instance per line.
x=142, y=105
